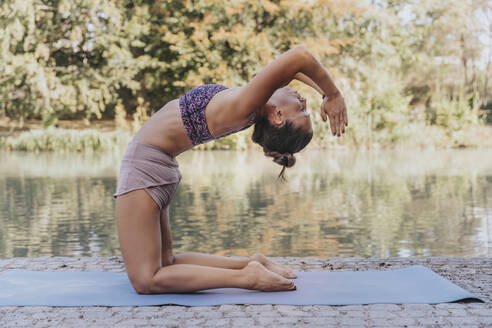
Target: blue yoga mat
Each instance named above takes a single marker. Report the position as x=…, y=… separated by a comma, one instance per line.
x=415, y=284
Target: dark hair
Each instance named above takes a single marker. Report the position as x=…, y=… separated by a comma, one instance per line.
x=280, y=143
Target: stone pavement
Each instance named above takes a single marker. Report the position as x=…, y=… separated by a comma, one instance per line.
x=472, y=274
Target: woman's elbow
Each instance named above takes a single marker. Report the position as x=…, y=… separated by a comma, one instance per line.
x=302, y=54
x=302, y=51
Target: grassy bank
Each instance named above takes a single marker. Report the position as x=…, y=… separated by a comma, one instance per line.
x=65, y=140
x=94, y=140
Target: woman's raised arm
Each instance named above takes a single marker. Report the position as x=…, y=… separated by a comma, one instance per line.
x=279, y=73
x=306, y=80
x=275, y=75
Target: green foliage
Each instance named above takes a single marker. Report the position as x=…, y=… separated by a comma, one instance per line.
x=402, y=66
x=62, y=140
x=66, y=58
x=452, y=114
x=386, y=108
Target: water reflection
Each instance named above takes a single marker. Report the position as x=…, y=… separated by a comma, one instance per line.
x=335, y=203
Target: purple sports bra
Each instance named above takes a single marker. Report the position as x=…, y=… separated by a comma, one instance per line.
x=192, y=106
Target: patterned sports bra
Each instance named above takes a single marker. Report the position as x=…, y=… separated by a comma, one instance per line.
x=192, y=106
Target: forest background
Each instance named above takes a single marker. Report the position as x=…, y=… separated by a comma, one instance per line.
x=79, y=75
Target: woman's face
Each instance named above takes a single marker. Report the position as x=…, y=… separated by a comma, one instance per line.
x=293, y=108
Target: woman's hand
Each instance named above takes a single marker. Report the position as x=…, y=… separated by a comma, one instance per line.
x=333, y=107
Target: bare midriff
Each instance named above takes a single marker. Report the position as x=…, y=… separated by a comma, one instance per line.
x=165, y=130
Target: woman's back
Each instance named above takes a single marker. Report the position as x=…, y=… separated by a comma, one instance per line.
x=201, y=115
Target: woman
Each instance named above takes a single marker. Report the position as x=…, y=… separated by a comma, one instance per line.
x=149, y=174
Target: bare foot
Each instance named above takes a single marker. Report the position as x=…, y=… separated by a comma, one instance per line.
x=262, y=279
x=274, y=267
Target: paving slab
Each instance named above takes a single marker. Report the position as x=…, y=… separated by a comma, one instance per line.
x=472, y=274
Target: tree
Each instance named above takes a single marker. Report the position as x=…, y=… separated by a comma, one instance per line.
x=67, y=58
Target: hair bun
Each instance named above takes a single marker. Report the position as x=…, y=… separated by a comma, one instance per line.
x=285, y=159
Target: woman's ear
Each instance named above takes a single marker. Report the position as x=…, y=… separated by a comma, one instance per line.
x=274, y=114
x=278, y=117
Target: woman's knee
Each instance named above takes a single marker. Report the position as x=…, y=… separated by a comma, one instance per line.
x=152, y=285
x=143, y=286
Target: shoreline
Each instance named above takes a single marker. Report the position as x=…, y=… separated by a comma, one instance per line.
x=104, y=135
x=472, y=274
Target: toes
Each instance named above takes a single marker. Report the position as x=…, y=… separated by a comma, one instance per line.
x=287, y=273
x=291, y=275
x=290, y=283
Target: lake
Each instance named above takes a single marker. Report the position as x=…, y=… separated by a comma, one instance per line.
x=337, y=203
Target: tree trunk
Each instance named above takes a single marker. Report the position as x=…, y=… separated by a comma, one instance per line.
x=464, y=60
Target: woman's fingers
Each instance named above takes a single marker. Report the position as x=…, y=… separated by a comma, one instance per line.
x=337, y=124
x=332, y=124
x=345, y=118
x=324, y=117
x=337, y=114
